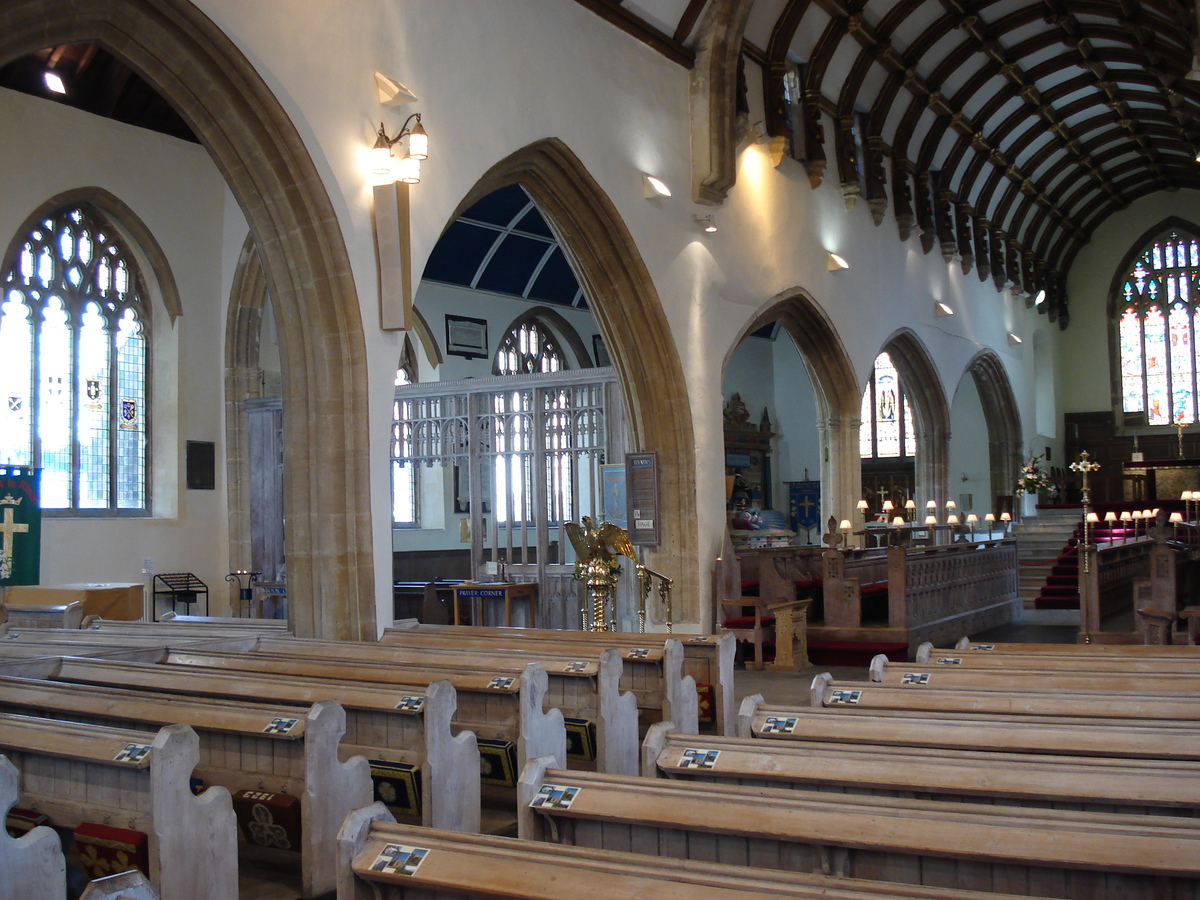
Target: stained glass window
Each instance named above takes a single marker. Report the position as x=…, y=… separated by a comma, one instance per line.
x=1156, y=331
x=73, y=373
x=887, y=424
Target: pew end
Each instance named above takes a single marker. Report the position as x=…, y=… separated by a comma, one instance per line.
x=122, y=886
x=33, y=865
x=746, y=713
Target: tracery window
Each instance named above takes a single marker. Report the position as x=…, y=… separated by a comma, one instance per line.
x=73, y=364
x=887, y=423
x=1156, y=332
x=527, y=349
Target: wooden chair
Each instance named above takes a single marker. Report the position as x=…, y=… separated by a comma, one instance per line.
x=743, y=615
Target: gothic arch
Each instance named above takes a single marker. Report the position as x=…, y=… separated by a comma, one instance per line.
x=257, y=149
x=575, y=350
x=838, y=397
x=630, y=317
x=931, y=413
x=152, y=262
x=1002, y=417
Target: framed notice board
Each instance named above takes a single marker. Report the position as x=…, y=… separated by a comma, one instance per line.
x=641, y=495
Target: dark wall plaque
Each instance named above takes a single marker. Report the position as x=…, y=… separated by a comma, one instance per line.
x=641, y=496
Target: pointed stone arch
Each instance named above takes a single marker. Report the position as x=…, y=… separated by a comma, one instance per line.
x=631, y=320
x=836, y=389
x=931, y=413
x=1003, y=419
x=255, y=146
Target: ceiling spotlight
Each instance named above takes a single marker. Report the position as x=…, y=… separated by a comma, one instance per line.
x=1040, y=297
x=1014, y=339
x=54, y=83
x=834, y=263
x=706, y=222
x=942, y=309
x=654, y=187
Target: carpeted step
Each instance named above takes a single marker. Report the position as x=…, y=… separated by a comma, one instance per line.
x=853, y=653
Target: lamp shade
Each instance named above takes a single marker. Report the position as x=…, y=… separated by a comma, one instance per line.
x=972, y=518
x=1093, y=517
x=931, y=520
x=408, y=170
x=845, y=525
x=1126, y=516
x=418, y=142
x=887, y=506
x=1176, y=517
x=989, y=517
x=898, y=521
x=910, y=504
x=862, y=504
x=932, y=504
x=1110, y=516
x=952, y=519
x=1005, y=517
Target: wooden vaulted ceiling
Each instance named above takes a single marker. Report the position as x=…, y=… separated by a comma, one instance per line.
x=1003, y=132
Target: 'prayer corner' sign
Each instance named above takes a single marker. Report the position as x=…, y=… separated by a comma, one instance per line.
x=20, y=525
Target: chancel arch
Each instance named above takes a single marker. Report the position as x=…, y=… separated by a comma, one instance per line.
x=256, y=147
x=834, y=389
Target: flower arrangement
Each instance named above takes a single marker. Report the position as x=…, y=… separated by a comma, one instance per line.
x=1033, y=478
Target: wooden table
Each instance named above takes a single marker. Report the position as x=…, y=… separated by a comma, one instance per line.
x=508, y=591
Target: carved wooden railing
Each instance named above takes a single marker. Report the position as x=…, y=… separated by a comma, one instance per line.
x=926, y=586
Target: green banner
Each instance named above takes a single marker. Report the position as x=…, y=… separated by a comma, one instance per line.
x=20, y=525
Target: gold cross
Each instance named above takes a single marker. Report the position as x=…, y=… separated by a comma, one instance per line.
x=8, y=528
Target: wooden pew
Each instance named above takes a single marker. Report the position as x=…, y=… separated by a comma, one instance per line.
x=509, y=706
x=243, y=746
x=1072, y=854
x=77, y=773
x=1181, y=651
x=33, y=864
x=852, y=696
x=465, y=867
x=588, y=694
x=884, y=671
x=1051, y=662
x=1141, y=787
x=68, y=615
x=650, y=666
x=569, y=674
x=405, y=724
x=1125, y=739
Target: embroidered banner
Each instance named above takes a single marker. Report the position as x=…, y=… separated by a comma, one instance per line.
x=20, y=525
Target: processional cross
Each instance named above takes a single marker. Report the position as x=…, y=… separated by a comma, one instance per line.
x=1084, y=467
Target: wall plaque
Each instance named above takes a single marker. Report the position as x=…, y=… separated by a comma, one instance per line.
x=641, y=495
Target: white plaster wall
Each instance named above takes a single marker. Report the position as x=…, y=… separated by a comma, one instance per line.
x=969, y=461
x=1085, y=364
x=47, y=148
x=493, y=77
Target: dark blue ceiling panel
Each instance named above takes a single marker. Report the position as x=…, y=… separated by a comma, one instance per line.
x=556, y=282
x=499, y=207
x=457, y=254
x=512, y=265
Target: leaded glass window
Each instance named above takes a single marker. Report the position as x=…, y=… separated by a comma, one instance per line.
x=73, y=373
x=887, y=423
x=527, y=349
x=1156, y=331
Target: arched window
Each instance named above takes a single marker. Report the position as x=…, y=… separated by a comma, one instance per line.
x=528, y=348
x=73, y=355
x=887, y=423
x=1159, y=303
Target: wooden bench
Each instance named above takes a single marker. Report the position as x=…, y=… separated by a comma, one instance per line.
x=853, y=696
x=1050, y=662
x=1073, y=854
x=67, y=615
x=507, y=708
x=243, y=746
x=219, y=623
x=1141, y=787
x=33, y=864
x=884, y=671
x=76, y=773
x=405, y=726
x=380, y=860
x=1119, y=650
x=1126, y=739
x=653, y=666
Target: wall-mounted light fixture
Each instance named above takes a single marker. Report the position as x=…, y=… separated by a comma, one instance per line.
x=834, y=263
x=654, y=188
x=385, y=165
x=1014, y=339
x=942, y=309
x=706, y=223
